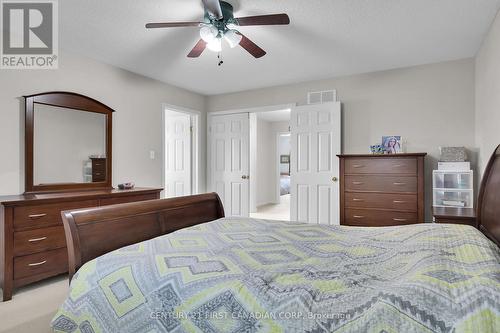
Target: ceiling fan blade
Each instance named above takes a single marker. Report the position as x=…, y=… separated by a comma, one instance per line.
x=251, y=47
x=198, y=49
x=172, y=25
x=213, y=8
x=274, y=19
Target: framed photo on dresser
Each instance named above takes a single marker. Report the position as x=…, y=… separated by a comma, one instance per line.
x=392, y=144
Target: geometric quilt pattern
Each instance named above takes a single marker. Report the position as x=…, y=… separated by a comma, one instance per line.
x=247, y=275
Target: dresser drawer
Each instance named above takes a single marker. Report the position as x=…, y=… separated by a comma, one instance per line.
x=128, y=199
x=47, y=263
x=38, y=240
x=378, y=218
x=390, y=184
x=405, y=202
x=381, y=165
x=45, y=215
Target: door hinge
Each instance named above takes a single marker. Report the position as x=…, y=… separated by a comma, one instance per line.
x=191, y=129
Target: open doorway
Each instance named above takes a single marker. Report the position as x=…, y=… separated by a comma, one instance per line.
x=180, y=176
x=270, y=165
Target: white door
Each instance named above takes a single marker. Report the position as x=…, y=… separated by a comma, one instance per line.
x=177, y=154
x=316, y=140
x=229, y=161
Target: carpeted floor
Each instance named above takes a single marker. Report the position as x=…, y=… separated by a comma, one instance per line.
x=32, y=308
x=279, y=211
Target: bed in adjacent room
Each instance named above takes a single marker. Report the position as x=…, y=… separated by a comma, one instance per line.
x=216, y=274
x=284, y=184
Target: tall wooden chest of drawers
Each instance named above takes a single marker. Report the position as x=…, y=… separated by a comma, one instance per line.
x=32, y=239
x=382, y=190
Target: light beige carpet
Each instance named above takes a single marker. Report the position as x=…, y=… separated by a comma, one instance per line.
x=279, y=211
x=32, y=308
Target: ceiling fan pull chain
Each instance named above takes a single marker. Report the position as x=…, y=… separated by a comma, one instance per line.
x=219, y=56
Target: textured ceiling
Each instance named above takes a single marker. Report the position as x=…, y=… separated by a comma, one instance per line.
x=326, y=38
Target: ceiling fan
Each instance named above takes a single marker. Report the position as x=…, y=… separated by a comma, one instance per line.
x=219, y=23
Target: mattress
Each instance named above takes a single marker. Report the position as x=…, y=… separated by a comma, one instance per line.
x=284, y=184
x=245, y=275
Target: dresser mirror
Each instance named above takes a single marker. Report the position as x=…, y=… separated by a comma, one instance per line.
x=68, y=143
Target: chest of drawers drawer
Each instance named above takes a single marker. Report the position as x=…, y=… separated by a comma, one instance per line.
x=38, y=240
x=127, y=199
x=399, y=202
x=47, y=263
x=45, y=215
x=397, y=184
x=381, y=166
x=377, y=218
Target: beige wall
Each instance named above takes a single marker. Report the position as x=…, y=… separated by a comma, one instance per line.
x=137, y=124
x=430, y=105
x=488, y=94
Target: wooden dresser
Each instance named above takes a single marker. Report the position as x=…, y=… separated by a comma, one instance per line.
x=382, y=190
x=32, y=240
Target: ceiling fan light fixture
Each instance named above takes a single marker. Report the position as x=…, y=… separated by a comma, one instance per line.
x=233, y=38
x=209, y=33
x=215, y=45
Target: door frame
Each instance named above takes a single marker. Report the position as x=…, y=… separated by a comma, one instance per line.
x=277, y=197
x=195, y=144
x=269, y=108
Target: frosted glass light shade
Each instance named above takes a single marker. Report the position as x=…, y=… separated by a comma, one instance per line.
x=215, y=45
x=209, y=33
x=233, y=38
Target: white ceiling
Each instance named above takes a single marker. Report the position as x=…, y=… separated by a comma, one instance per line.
x=326, y=38
x=273, y=116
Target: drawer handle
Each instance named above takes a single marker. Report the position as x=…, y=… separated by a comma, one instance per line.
x=358, y=217
x=97, y=164
x=399, y=201
x=399, y=184
x=37, y=239
x=97, y=173
x=357, y=183
x=355, y=199
x=357, y=166
x=37, y=216
x=399, y=220
x=398, y=165
x=38, y=263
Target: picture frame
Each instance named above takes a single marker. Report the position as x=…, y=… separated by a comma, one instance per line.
x=392, y=144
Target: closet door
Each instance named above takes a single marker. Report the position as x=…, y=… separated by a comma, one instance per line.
x=229, y=152
x=316, y=140
x=177, y=155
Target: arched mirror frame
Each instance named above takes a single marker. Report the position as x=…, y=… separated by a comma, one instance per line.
x=70, y=101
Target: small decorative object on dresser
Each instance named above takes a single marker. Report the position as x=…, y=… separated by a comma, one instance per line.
x=382, y=190
x=126, y=186
x=377, y=149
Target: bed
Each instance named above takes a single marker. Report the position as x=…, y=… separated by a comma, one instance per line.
x=284, y=184
x=178, y=265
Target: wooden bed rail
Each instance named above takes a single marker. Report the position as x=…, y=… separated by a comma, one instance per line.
x=91, y=233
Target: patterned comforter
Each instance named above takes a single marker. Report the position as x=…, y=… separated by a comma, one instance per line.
x=244, y=275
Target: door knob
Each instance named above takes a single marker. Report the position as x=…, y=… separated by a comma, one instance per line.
x=335, y=179
x=245, y=177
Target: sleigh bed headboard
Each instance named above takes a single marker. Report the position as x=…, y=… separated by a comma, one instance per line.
x=488, y=211
x=91, y=233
